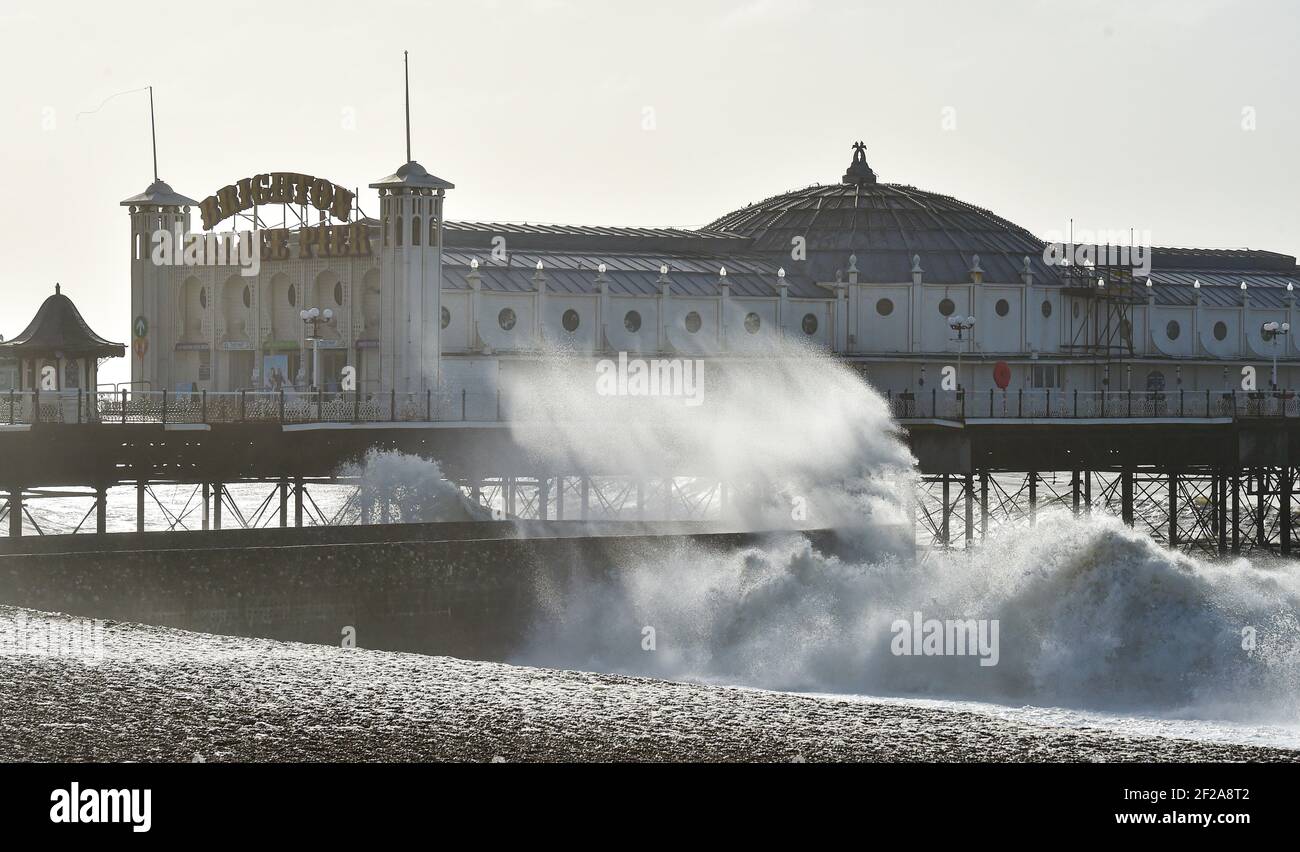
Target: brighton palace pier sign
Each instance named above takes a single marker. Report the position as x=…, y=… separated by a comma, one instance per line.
x=347, y=240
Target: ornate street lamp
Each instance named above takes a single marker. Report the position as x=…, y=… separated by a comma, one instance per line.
x=1271, y=331
x=961, y=327
x=312, y=318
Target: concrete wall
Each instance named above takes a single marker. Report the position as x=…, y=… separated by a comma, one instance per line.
x=469, y=598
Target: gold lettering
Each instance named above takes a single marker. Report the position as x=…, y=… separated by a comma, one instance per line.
x=280, y=192
x=303, y=183
x=261, y=189
x=360, y=241
x=228, y=196
x=322, y=194
x=211, y=210
x=342, y=209
x=246, y=194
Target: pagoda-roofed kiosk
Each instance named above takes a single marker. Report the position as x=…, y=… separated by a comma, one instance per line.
x=59, y=337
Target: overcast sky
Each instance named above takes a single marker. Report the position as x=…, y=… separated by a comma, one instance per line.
x=1124, y=114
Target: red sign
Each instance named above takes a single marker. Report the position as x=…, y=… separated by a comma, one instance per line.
x=1002, y=374
x=141, y=346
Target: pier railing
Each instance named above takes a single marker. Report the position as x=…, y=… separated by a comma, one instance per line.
x=1092, y=405
x=168, y=407
x=201, y=407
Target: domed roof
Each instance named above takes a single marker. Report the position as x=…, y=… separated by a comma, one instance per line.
x=59, y=329
x=885, y=226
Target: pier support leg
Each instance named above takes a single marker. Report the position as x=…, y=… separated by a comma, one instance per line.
x=1173, y=510
x=1087, y=492
x=216, y=505
x=1236, y=512
x=559, y=497
x=944, y=535
x=284, y=504
x=970, y=508
x=543, y=498
x=139, y=506
x=1033, y=497
x=1261, y=509
x=206, y=506
x=1221, y=510
x=297, y=501
x=1074, y=491
x=1284, y=508
x=16, y=513
x=101, y=510
x=1126, y=496
x=984, y=505
x=586, y=497
x=510, y=496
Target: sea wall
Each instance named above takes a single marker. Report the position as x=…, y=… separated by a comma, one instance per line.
x=473, y=598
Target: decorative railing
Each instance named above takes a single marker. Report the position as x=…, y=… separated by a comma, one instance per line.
x=204, y=407
x=1075, y=404
x=200, y=407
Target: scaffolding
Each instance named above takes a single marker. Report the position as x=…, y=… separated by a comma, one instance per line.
x=1104, y=293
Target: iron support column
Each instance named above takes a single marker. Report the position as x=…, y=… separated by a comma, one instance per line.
x=1126, y=496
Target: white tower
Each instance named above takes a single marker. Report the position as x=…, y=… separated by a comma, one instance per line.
x=410, y=258
x=158, y=208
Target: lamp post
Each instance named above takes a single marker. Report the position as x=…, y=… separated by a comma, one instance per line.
x=961, y=326
x=312, y=318
x=1271, y=331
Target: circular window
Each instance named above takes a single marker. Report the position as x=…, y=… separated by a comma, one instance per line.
x=1047, y=309
x=446, y=317
x=947, y=308
x=809, y=324
x=570, y=320
x=1003, y=307
x=338, y=293
x=248, y=296
x=506, y=319
x=293, y=295
x=753, y=322
x=1220, y=330
x=203, y=297
x=632, y=322
x=693, y=322
x=1173, y=330
x=884, y=307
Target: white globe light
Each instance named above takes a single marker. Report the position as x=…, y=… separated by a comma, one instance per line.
x=970, y=320
x=1286, y=327
x=329, y=314
x=314, y=313
x=303, y=314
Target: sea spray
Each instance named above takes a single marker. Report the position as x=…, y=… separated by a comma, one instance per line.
x=403, y=488
x=1091, y=613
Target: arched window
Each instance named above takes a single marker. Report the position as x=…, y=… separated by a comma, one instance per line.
x=415, y=230
x=398, y=231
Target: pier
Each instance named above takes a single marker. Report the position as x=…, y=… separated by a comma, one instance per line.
x=1205, y=472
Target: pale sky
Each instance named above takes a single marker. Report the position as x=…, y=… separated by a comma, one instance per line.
x=1118, y=113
